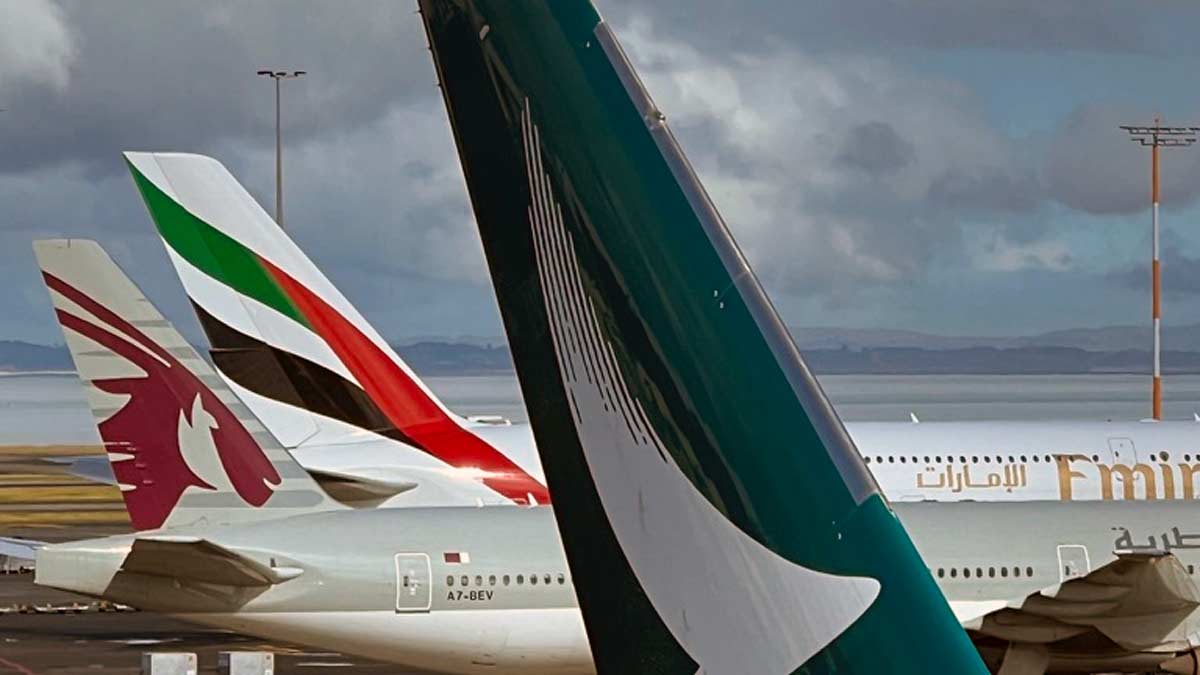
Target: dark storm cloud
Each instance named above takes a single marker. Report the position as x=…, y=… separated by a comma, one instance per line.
x=871, y=25
x=1093, y=166
x=875, y=148
x=841, y=169
x=154, y=75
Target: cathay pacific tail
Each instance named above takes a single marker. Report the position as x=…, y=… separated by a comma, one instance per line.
x=715, y=514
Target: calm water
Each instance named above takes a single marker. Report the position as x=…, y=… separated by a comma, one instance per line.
x=51, y=408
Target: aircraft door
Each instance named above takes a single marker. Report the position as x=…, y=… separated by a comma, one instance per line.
x=1123, y=451
x=413, y=583
x=1073, y=562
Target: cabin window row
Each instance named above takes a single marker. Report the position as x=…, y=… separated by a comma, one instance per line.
x=506, y=580
x=987, y=459
x=979, y=573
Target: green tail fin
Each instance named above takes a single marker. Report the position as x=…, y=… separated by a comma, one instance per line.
x=715, y=514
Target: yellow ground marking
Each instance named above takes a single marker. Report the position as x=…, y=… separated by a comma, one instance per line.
x=50, y=518
x=65, y=494
x=50, y=450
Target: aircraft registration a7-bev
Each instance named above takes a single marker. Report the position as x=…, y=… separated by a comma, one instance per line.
x=684, y=498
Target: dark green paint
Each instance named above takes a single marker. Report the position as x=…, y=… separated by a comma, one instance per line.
x=710, y=383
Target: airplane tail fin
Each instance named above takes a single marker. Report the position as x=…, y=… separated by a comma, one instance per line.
x=183, y=447
x=306, y=362
x=715, y=514
x=316, y=370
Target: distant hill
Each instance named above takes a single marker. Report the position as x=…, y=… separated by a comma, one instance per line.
x=1108, y=338
x=828, y=351
x=23, y=356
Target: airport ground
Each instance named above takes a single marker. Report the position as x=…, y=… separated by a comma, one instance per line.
x=46, y=631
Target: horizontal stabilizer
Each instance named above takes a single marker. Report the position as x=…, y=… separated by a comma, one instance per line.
x=1137, y=601
x=359, y=491
x=199, y=560
x=21, y=549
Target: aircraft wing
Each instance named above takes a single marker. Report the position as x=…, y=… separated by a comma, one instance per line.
x=1137, y=601
x=200, y=560
x=19, y=549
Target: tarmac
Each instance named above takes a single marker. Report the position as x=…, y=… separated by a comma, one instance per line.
x=46, y=631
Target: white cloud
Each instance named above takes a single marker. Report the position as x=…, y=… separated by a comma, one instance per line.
x=36, y=45
x=1001, y=255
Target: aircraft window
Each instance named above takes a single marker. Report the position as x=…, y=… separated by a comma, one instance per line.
x=987, y=460
x=562, y=578
x=520, y=579
x=492, y=580
x=546, y=579
x=879, y=460
x=991, y=572
x=926, y=459
x=999, y=459
x=1028, y=571
x=1191, y=569
x=406, y=581
x=466, y=580
x=950, y=458
x=941, y=573
x=1187, y=458
x=891, y=460
x=1016, y=571
x=953, y=573
x=1048, y=459
x=478, y=580
x=533, y=579
x=1012, y=460
x=975, y=459
x=1036, y=458
x=450, y=580
x=867, y=460
x=939, y=459
x=1096, y=458
x=966, y=572
x=902, y=459
x=506, y=579
x=1164, y=456
x=979, y=572
x=1023, y=458
x=1004, y=572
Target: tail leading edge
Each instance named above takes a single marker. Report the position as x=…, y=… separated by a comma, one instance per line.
x=300, y=354
x=183, y=447
x=716, y=516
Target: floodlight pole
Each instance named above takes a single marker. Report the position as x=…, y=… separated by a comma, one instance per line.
x=278, y=75
x=1156, y=137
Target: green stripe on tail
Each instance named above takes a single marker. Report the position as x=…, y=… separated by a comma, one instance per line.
x=212, y=251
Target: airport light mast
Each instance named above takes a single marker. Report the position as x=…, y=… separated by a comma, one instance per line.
x=1156, y=137
x=279, y=75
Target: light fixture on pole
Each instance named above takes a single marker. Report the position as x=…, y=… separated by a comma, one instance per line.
x=279, y=75
x=1155, y=137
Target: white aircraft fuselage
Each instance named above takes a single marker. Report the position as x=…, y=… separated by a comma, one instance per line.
x=943, y=461
x=486, y=590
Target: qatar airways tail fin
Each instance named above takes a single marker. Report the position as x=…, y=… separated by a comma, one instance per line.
x=293, y=347
x=183, y=448
x=715, y=514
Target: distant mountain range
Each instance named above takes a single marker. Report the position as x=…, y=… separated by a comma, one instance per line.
x=1113, y=349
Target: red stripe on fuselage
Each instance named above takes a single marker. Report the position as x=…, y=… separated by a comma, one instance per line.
x=404, y=401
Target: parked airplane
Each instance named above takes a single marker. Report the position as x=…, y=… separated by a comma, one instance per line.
x=487, y=589
x=305, y=380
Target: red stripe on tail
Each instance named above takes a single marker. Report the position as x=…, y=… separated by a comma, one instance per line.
x=404, y=401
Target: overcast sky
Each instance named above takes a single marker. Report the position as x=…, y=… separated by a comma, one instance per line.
x=951, y=166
